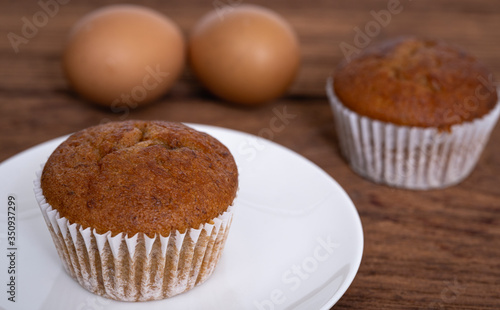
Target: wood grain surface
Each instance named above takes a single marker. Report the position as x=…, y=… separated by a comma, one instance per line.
x=437, y=249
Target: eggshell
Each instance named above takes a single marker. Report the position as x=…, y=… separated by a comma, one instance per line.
x=245, y=54
x=123, y=55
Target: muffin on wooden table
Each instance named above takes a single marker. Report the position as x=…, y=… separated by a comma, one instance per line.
x=413, y=113
x=138, y=210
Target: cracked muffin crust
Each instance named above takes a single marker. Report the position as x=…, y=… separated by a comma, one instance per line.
x=416, y=82
x=140, y=176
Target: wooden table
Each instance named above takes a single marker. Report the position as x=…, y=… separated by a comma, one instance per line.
x=436, y=249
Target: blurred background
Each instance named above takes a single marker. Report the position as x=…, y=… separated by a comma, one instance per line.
x=34, y=95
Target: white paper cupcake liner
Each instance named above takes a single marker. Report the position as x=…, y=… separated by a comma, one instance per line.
x=409, y=157
x=136, y=268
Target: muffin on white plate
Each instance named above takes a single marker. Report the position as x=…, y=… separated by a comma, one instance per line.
x=138, y=210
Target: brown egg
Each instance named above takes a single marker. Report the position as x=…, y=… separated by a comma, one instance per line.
x=123, y=55
x=245, y=54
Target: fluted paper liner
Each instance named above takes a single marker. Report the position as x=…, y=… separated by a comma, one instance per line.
x=409, y=157
x=136, y=268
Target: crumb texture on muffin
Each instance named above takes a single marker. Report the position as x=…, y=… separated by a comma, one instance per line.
x=140, y=176
x=416, y=82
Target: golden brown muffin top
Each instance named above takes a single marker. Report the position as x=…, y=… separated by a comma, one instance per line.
x=140, y=176
x=416, y=82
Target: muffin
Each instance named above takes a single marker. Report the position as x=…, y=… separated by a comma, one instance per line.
x=138, y=210
x=413, y=113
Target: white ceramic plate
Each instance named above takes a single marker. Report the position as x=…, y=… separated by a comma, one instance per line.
x=295, y=243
